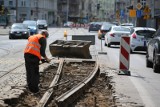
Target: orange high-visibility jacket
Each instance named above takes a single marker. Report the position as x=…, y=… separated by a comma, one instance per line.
x=33, y=46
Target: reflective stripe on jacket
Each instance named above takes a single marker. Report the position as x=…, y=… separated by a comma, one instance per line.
x=33, y=46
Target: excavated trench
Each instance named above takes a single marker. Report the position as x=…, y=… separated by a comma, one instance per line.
x=98, y=95
x=27, y=99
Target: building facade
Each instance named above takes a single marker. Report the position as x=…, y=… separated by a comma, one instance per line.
x=20, y=10
x=68, y=10
x=81, y=11
x=154, y=15
x=121, y=11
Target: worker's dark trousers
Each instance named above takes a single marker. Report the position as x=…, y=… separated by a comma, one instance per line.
x=32, y=72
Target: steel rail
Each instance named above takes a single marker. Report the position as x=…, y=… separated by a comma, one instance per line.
x=70, y=96
x=46, y=97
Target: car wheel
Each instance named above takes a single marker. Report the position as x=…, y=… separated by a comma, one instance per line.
x=156, y=67
x=105, y=44
x=131, y=51
x=109, y=45
x=148, y=63
x=99, y=37
x=10, y=37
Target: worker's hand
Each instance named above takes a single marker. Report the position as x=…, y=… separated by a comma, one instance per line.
x=48, y=60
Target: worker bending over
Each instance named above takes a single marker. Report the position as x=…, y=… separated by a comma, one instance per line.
x=33, y=52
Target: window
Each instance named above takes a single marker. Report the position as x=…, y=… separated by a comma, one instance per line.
x=10, y=3
x=143, y=2
x=82, y=5
x=23, y=3
x=35, y=4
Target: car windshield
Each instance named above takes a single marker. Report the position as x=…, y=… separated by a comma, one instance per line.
x=121, y=29
x=107, y=26
x=18, y=26
x=41, y=21
x=30, y=23
x=146, y=33
x=127, y=24
x=69, y=22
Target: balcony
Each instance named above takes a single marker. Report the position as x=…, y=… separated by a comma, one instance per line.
x=75, y=2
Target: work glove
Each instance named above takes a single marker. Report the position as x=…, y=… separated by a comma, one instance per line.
x=43, y=60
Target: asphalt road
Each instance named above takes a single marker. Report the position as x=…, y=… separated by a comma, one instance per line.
x=141, y=88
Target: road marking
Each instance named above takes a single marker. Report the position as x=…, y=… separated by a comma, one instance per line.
x=147, y=101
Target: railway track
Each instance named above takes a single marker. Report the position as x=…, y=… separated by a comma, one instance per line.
x=61, y=84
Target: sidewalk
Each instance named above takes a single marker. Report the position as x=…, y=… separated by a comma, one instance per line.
x=4, y=31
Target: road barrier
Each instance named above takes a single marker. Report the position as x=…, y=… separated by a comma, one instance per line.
x=65, y=35
x=70, y=49
x=124, y=55
x=84, y=37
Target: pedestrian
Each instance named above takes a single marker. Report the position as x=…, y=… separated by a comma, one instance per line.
x=33, y=52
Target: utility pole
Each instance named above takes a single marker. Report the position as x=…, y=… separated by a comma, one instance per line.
x=67, y=10
x=153, y=23
x=152, y=8
x=16, y=10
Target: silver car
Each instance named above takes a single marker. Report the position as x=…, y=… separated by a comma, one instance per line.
x=42, y=24
x=113, y=36
x=139, y=38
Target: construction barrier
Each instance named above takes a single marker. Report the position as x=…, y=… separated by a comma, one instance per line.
x=70, y=49
x=124, y=55
x=86, y=26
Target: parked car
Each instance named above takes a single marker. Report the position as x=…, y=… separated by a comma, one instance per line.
x=42, y=24
x=68, y=24
x=153, y=52
x=104, y=29
x=32, y=25
x=113, y=36
x=19, y=30
x=139, y=37
x=95, y=26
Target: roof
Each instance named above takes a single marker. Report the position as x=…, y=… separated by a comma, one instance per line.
x=144, y=28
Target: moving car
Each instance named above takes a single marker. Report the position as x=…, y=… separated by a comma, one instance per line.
x=127, y=25
x=19, y=30
x=104, y=29
x=32, y=25
x=113, y=36
x=139, y=37
x=95, y=26
x=153, y=52
x=42, y=24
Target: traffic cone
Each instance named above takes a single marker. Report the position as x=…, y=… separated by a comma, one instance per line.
x=65, y=35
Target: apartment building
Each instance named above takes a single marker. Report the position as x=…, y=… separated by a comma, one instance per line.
x=92, y=10
x=20, y=10
x=68, y=10
x=109, y=10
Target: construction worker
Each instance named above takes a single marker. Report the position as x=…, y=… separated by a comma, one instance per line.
x=33, y=52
